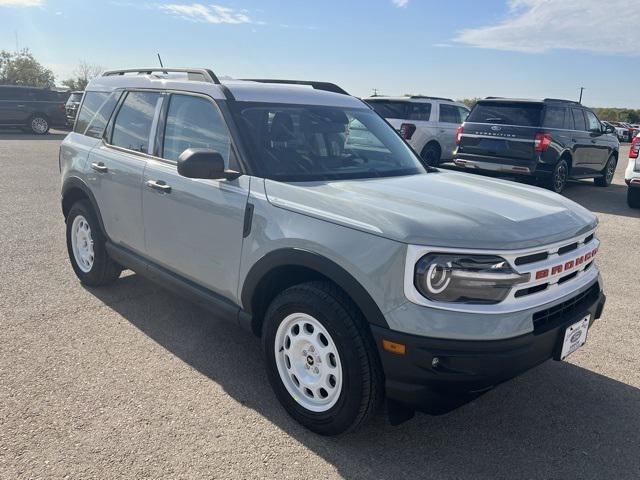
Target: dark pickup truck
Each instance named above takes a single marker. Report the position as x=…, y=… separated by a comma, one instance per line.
x=32, y=109
x=551, y=140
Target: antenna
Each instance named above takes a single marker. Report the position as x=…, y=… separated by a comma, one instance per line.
x=582, y=89
x=160, y=60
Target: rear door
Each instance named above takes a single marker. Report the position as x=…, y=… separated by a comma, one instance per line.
x=450, y=117
x=581, y=139
x=501, y=133
x=192, y=226
x=117, y=165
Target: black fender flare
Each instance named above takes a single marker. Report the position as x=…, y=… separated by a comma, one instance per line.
x=75, y=183
x=286, y=257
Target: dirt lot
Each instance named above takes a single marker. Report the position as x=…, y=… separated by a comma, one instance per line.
x=130, y=381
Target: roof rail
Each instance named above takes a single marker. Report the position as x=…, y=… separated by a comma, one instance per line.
x=194, y=74
x=431, y=98
x=326, y=86
x=560, y=100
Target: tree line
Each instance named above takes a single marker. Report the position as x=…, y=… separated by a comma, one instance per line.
x=21, y=68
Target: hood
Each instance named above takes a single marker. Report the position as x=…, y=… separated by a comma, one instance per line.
x=444, y=209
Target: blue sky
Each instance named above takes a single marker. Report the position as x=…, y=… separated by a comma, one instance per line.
x=454, y=48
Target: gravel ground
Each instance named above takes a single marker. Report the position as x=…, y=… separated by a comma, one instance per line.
x=131, y=382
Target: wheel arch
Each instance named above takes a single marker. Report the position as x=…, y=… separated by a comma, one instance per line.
x=283, y=268
x=74, y=190
x=567, y=156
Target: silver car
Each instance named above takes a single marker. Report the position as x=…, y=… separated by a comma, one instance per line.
x=297, y=212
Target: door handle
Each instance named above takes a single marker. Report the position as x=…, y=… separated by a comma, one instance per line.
x=99, y=167
x=20, y=106
x=159, y=185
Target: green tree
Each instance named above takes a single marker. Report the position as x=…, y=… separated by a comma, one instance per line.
x=21, y=68
x=469, y=102
x=82, y=75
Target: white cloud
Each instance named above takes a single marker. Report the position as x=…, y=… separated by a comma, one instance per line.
x=535, y=26
x=199, y=12
x=21, y=3
x=400, y=3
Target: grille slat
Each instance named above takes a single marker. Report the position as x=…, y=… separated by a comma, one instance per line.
x=545, y=320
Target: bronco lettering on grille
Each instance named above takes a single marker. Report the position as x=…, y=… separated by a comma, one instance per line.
x=563, y=267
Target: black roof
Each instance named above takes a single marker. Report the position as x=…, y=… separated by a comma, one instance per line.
x=529, y=100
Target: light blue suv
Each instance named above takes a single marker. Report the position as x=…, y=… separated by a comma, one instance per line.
x=295, y=210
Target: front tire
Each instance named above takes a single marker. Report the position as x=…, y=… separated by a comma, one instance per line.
x=559, y=177
x=39, y=125
x=633, y=197
x=86, y=247
x=607, y=173
x=321, y=360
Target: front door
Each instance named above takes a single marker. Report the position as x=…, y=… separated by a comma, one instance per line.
x=194, y=227
x=599, y=152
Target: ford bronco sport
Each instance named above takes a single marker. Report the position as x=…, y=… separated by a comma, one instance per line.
x=550, y=140
x=296, y=211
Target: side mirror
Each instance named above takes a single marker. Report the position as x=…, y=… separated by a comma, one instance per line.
x=204, y=163
x=608, y=129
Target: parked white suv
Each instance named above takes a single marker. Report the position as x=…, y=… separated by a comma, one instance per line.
x=428, y=124
x=632, y=174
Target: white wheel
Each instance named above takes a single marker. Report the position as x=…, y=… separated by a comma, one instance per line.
x=82, y=244
x=308, y=362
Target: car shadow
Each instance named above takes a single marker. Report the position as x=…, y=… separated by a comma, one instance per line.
x=556, y=421
x=14, y=134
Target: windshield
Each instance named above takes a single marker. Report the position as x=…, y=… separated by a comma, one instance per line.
x=307, y=142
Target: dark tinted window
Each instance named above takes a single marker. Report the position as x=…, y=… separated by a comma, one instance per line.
x=517, y=113
x=554, y=117
x=387, y=109
x=420, y=112
x=14, y=93
x=74, y=97
x=194, y=122
x=100, y=119
x=578, y=119
x=133, y=123
x=92, y=102
x=308, y=142
x=450, y=114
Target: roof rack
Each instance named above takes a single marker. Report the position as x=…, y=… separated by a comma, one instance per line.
x=326, y=86
x=194, y=74
x=431, y=98
x=560, y=100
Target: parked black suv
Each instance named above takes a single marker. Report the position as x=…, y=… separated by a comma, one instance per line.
x=73, y=102
x=32, y=109
x=552, y=140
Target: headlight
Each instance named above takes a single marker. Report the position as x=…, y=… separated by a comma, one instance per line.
x=460, y=278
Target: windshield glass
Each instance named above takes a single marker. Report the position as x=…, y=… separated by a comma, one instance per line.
x=307, y=142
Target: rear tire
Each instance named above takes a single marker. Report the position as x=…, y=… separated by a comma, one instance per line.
x=86, y=247
x=321, y=360
x=633, y=197
x=39, y=124
x=607, y=173
x=431, y=155
x=558, y=178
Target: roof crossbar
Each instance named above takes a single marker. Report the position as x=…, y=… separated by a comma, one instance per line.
x=326, y=86
x=194, y=74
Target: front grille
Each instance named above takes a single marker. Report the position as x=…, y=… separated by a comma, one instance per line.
x=545, y=320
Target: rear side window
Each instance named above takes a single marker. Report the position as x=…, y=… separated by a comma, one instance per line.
x=194, y=122
x=132, y=126
x=420, y=112
x=391, y=109
x=578, y=119
x=100, y=119
x=520, y=113
x=554, y=117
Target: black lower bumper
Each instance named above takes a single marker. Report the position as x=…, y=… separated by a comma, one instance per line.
x=438, y=375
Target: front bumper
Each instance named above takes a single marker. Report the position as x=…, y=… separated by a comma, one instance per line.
x=465, y=369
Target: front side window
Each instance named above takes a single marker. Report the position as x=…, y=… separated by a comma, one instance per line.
x=578, y=119
x=194, y=122
x=92, y=103
x=132, y=126
x=593, y=124
x=307, y=142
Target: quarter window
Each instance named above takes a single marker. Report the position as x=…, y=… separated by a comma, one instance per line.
x=132, y=127
x=578, y=119
x=194, y=122
x=554, y=117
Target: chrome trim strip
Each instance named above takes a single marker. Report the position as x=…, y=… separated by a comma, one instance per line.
x=498, y=137
x=512, y=303
x=495, y=167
